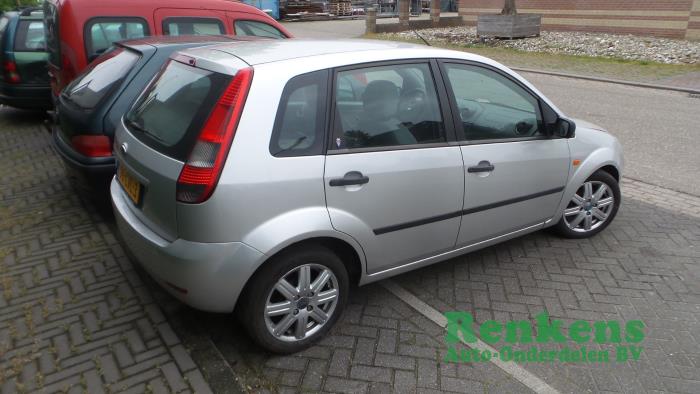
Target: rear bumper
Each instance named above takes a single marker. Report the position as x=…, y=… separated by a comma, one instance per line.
x=213, y=274
x=29, y=97
x=89, y=174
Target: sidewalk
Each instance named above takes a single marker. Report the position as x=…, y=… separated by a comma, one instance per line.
x=75, y=315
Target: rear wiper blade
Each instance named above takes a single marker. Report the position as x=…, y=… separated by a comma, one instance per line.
x=136, y=126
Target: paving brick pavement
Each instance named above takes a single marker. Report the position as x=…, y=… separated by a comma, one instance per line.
x=75, y=316
x=102, y=323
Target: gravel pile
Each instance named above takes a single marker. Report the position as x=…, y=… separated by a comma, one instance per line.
x=628, y=47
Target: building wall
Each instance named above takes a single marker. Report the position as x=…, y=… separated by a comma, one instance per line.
x=665, y=18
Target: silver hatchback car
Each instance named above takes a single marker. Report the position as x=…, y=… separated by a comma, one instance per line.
x=268, y=177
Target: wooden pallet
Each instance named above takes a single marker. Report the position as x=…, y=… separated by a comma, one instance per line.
x=340, y=8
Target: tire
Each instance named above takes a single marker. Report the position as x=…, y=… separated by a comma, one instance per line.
x=587, y=212
x=263, y=291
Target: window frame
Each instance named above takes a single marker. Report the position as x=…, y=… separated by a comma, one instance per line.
x=322, y=77
x=444, y=105
x=546, y=113
x=102, y=19
x=191, y=19
x=235, y=28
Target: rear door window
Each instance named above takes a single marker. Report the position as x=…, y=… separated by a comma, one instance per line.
x=172, y=111
x=257, y=29
x=301, y=117
x=103, y=76
x=30, y=37
x=101, y=33
x=387, y=106
x=192, y=26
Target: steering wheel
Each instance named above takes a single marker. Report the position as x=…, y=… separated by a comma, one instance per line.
x=525, y=128
x=469, y=110
x=411, y=105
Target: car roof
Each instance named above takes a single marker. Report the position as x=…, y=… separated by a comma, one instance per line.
x=160, y=41
x=174, y=43
x=259, y=52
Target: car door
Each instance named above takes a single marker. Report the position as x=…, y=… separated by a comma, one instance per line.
x=392, y=181
x=515, y=172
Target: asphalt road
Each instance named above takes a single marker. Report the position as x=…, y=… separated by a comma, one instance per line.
x=659, y=129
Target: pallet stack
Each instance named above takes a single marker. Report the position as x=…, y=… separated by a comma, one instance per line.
x=301, y=8
x=340, y=7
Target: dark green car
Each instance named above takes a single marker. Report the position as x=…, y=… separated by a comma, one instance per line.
x=24, y=78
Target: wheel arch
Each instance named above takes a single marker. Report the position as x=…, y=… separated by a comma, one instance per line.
x=352, y=258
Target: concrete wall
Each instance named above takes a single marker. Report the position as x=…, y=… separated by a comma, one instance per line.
x=664, y=18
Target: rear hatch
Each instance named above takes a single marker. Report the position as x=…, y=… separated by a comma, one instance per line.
x=174, y=141
x=81, y=104
x=30, y=54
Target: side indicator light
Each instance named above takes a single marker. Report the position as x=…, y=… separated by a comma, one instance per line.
x=576, y=162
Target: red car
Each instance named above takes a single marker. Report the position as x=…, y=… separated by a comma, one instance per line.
x=77, y=31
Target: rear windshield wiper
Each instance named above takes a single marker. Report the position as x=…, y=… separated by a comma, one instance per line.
x=136, y=126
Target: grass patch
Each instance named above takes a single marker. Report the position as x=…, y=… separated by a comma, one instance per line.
x=604, y=67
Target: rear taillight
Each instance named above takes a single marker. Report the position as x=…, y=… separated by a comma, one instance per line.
x=92, y=145
x=201, y=173
x=11, y=74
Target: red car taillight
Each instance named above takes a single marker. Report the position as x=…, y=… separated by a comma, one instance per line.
x=92, y=145
x=201, y=173
x=11, y=74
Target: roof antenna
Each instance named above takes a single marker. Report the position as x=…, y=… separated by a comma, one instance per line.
x=421, y=37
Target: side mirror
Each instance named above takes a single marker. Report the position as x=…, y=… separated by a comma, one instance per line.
x=565, y=128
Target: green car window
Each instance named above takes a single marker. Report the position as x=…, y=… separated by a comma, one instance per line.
x=30, y=37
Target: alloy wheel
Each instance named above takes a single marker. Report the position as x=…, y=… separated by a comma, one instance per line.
x=301, y=302
x=590, y=207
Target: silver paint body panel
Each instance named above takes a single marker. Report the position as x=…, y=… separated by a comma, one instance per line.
x=263, y=204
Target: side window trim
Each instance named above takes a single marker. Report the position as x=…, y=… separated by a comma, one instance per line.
x=461, y=137
x=186, y=19
x=443, y=102
x=101, y=19
x=318, y=147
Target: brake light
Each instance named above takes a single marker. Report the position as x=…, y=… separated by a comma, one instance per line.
x=201, y=173
x=92, y=145
x=11, y=74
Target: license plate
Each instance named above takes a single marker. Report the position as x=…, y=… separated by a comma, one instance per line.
x=131, y=186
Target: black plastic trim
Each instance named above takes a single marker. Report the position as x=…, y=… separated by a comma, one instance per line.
x=451, y=215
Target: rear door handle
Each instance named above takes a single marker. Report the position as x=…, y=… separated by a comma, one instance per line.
x=351, y=178
x=483, y=166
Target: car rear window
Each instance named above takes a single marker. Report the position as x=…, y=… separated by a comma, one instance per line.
x=172, y=111
x=30, y=37
x=3, y=25
x=192, y=26
x=257, y=29
x=101, y=78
